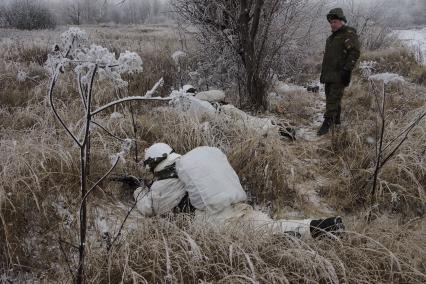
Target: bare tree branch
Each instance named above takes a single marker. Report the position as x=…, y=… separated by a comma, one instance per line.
x=50, y=93
x=125, y=219
x=107, y=131
x=128, y=99
x=89, y=104
x=80, y=91
x=99, y=181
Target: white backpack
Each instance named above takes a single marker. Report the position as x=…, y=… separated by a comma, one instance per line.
x=209, y=179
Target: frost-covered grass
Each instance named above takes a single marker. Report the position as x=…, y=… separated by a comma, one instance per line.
x=415, y=39
x=39, y=181
x=398, y=60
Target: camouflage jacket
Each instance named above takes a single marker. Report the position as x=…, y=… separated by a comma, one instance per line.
x=342, y=51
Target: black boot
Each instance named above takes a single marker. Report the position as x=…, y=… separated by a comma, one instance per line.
x=325, y=127
x=321, y=227
x=337, y=119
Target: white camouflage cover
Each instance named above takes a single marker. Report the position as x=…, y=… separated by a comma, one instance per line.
x=211, y=96
x=209, y=179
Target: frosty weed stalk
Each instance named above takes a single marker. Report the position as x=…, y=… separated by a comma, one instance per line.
x=87, y=63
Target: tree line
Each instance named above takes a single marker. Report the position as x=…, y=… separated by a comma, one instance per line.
x=45, y=14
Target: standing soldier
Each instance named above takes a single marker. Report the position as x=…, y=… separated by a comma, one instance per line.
x=342, y=51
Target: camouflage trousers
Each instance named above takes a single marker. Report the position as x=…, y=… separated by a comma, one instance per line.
x=333, y=98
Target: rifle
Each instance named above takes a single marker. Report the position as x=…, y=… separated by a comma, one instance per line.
x=130, y=182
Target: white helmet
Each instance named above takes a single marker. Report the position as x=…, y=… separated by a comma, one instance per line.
x=155, y=154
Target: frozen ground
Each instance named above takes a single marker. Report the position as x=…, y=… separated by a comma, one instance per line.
x=416, y=39
x=309, y=132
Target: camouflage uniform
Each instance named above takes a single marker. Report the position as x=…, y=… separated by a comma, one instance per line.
x=342, y=51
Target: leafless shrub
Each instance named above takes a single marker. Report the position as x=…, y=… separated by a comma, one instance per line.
x=370, y=20
x=28, y=15
x=357, y=154
x=245, y=36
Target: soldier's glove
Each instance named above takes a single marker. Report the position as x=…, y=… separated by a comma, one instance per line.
x=128, y=181
x=346, y=77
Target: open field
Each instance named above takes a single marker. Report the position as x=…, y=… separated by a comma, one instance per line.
x=39, y=176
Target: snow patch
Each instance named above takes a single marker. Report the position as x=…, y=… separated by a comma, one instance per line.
x=21, y=76
x=387, y=77
x=414, y=39
x=282, y=93
x=63, y=212
x=101, y=223
x=309, y=192
x=116, y=115
x=370, y=140
x=309, y=132
x=282, y=87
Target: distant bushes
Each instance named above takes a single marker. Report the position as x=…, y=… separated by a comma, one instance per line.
x=28, y=15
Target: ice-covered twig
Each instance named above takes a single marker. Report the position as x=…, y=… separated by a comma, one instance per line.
x=89, y=104
x=69, y=47
x=406, y=131
x=381, y=109
x=101, y=65
x=99, y=181
x=52, y=85
x=154, y=89
x=80, y=90
x=127, y=99
x=107, y=131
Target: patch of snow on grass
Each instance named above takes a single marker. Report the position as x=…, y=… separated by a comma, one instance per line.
x=286, y=88
x=387, y=77
x=116, y=115
x=414, y=39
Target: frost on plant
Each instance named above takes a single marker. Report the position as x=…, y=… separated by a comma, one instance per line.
x=129, y=62
x=367, y=68
x=177, y=55
x=74, y=51
x=387, y=78
x=73, y=39
x=126, y=146
x=87, y=62
x=116, y=115
x=109, y=66
x=21, y=76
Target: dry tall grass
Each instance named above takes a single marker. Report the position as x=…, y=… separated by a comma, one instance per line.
x=39, y=184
